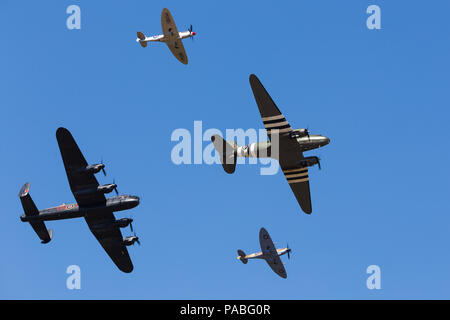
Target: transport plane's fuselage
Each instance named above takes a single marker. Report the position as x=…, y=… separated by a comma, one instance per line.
x=264, y=149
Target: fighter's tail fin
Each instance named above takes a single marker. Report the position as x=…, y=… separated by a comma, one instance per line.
x=242, y=256
x=227, y=152
x=30, y=210
x=140, y=39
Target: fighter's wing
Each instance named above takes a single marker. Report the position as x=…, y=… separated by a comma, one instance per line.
x=298, y=180
x=178, y=51
x=171, y=32
x=74, y=162
x=271, y=254
x=110, y=237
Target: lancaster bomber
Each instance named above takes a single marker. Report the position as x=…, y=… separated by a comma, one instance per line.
x=91, y=204
x=287, y=148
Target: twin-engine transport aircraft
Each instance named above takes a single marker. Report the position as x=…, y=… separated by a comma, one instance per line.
x=269, y=253
x=91, y=204
x=170, y=36
x=291, y=145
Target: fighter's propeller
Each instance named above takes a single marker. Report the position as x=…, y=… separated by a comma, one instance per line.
x=288, y=251
x=191, y=32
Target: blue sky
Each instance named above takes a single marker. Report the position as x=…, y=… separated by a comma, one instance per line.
x=380, y=95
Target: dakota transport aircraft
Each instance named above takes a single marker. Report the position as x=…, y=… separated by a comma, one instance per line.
x=91, y=204
x=269, y=253
x=291, y=145
x=170, y=36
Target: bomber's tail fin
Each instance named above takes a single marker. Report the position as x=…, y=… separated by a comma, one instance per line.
x=242, y=256
x=30, y=210
x=227, y=152
x=140, y=39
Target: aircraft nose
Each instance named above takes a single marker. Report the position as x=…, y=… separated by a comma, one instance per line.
x=326, y=141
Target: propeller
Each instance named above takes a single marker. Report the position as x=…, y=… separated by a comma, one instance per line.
x=115, y=188
x=318, y=163
x=103, y=168
x=288, y=251
x=137, y=239
x=191, y=32
x=307, y=134
x=131, y=226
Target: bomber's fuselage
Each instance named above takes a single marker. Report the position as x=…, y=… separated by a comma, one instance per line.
x=69, y=211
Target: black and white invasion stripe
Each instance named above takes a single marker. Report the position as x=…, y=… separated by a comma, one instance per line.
x=276, y=123
x=296, y=175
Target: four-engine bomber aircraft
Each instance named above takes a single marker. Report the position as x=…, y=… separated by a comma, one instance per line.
x=269, y=253
x=170, y=36
x=91, y=204
x=291, y=145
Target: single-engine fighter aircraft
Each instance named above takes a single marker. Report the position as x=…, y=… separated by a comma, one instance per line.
x=91, y=204
x=170, y=36
x=268, y=253
x=291, y=145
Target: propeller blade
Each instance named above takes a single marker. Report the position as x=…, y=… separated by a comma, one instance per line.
x=318, y=163
x=115, y=188
x=138, y=242
x=131, y=226
x=103, y=169
x=288, y=251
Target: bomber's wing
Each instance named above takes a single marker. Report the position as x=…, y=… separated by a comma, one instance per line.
x=74, y=163
x=110, y=237
x=268, y=248
x=171, y=32
x=290, y=152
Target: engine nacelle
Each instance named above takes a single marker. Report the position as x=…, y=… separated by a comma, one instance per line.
x=107, y=188
x=299, y=133
x=310, y=161
x=129, y=241
x=123, y=223
x=93, y=168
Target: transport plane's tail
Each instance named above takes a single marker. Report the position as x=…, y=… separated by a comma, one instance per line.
x=227, y=152
x=30, y=210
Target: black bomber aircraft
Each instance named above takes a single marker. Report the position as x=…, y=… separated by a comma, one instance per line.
x=91, y=204
x=290, y=144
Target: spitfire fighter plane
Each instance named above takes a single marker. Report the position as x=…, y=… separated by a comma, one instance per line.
x=91, y=204
x=289, y=146
x=170, y=36
x=268, y=253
